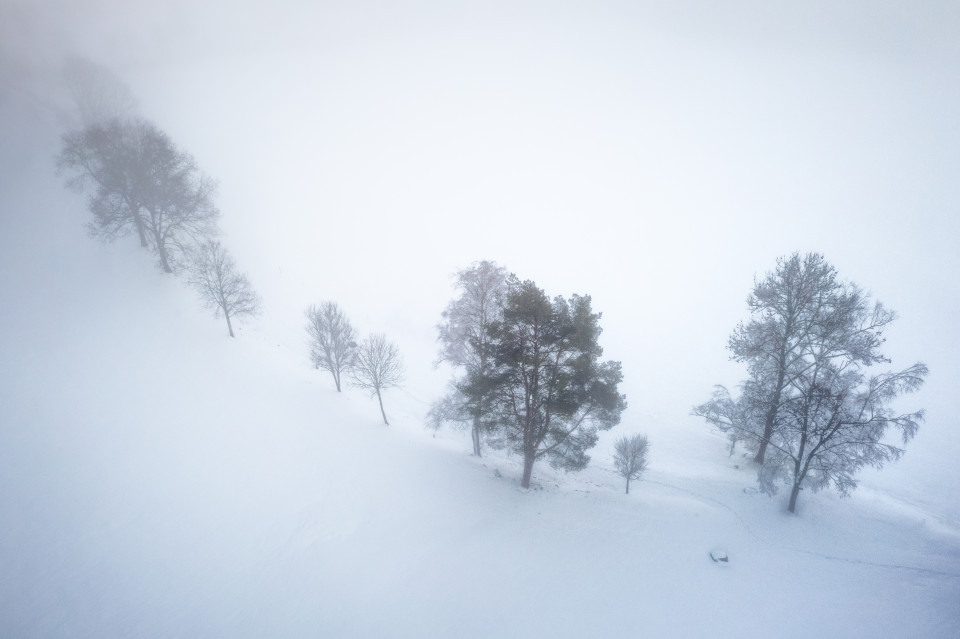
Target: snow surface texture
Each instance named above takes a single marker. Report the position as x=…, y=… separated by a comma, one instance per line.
x=158, y=479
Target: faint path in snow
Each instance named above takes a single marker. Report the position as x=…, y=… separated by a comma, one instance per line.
x=754, y=535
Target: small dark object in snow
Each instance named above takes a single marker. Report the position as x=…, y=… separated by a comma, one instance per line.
x=737, y=466
x=719, y=556
x=496, y=473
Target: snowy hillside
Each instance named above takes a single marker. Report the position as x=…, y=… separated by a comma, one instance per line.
x=158, y=479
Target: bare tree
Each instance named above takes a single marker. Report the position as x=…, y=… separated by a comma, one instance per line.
x=793, y=309
x=462, y=332
x=785, y=307
x=222, y=288
x=464, y=342
x=378, y=366
x=835, y=424
x=99, y=95
x=104, y=155
x=808, y=408
x=333, y=345
x=741, y=418
x=177, y=197
x=103, y=150
x=630, y=457
x=143, y=183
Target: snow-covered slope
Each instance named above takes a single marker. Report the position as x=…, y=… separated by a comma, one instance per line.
x=158, y=479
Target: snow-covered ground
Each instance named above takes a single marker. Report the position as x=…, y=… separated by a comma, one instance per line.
x=158, y=479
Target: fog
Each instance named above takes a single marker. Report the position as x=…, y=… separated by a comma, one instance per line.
x=657, y=156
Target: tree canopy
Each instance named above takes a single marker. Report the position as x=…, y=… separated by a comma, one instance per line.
x=549, y=392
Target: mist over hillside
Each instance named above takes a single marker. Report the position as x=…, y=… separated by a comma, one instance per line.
x=159, y=479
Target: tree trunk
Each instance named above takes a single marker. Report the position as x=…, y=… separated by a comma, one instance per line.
x=799, y=471
x=475, y=434
x=381, y=408
x=628, y=485
x=162, y=250
x=793, y=498
x=771, y=417
x=141, y=230
x=336, y=379
x=767, y=433
x=768, y=422
x=527, y=470
x=229, y=325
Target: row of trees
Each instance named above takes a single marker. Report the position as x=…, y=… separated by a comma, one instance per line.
x=532, y=379
x=810, y=411
x=529, y=376
x=374, y=364
x=141, y=183
x=528, y=373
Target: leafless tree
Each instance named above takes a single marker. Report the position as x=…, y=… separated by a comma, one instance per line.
x=333, y=345
x=99, y=95
x=785, y=306
x=809, y=408
x=800, y=307
x=378, y=366
x=740, y=418
x=221, y=286
x=101, y=151
x=630, y=457
x=464, y=342
x=104, y=155
x=834, y=424
x=463, y=329
x=177, y=197
x=144, y=183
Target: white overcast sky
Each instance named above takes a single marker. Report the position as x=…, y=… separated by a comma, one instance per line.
x=656, y=155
